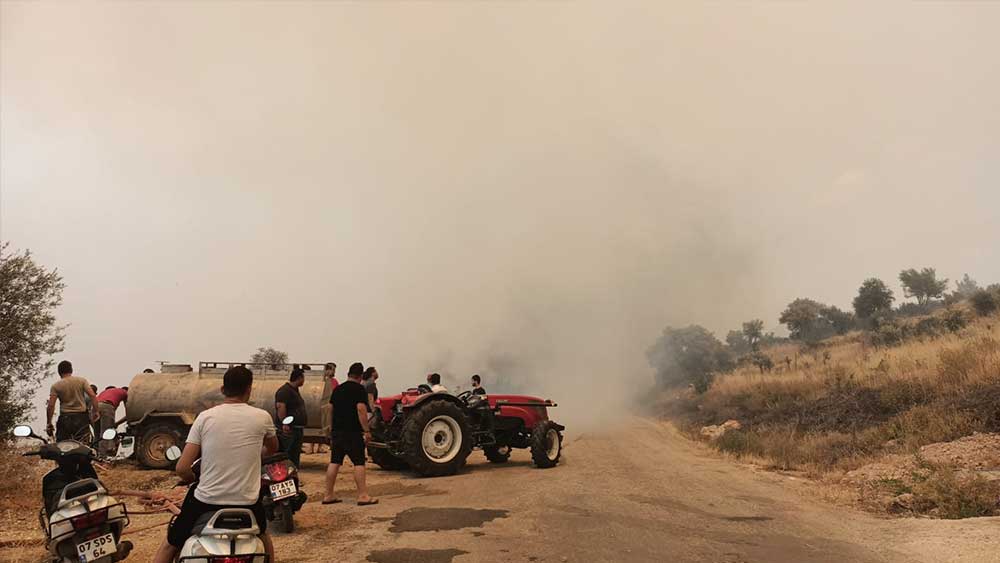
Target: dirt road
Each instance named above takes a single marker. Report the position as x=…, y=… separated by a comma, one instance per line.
x=641, y=493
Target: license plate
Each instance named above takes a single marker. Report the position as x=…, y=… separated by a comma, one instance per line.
x=283, y=489
x=93, y=549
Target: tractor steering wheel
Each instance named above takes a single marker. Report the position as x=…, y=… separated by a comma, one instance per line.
x=464, y=396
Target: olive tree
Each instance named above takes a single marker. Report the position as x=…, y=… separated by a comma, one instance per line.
x=688, y=356
x=922, y=285
x=269, y=357
x=29, y=332
x=873, y=298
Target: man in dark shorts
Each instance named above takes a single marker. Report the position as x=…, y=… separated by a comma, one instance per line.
x=350, y=434
x=228, y=439
x=288, y=402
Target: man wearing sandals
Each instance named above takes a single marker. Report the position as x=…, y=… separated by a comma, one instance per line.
x=349, y=435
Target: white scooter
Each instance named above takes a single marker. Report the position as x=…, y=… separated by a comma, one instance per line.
x=229, y=534
x=81, y=521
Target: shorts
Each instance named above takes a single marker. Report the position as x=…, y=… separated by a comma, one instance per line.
x=350, y=444
x=181, y=527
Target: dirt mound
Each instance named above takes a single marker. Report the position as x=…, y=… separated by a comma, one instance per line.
x=947, y=479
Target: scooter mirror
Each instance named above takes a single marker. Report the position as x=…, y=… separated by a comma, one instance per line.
x=173, y=453
x=22, y=431
x=288, y=420
x=109, y=434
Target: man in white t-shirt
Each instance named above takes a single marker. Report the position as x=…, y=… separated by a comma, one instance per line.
x=434, y=380
x=230, y=440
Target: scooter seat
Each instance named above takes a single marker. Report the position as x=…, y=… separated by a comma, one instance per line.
x=280, y=456
x=201, y=522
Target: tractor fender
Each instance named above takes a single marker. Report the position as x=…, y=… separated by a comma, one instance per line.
x=420, y=400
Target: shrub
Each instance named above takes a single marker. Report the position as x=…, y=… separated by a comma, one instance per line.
x=985, y=302
x=956, y=496
x=955, y=320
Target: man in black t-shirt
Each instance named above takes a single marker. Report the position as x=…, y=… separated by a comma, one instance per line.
x=288, y=402
x=477, y=385
x=349, y=434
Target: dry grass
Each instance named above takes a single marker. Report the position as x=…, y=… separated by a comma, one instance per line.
x=842, y=404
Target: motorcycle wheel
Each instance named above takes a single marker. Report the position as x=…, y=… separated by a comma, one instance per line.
x=285, y=518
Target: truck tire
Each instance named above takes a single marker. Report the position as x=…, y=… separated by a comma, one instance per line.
x=497, y=454
x=546, y=445
x=436, y=439
x=154, y=442
x=386, y=460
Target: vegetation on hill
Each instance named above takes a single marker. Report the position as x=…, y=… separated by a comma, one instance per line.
x=841, y=394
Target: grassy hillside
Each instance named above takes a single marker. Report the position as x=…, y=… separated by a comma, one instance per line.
x=836, y=407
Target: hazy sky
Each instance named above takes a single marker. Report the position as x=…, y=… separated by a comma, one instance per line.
x=528, y=188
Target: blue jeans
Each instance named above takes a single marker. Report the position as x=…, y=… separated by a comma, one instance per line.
x=291, y=444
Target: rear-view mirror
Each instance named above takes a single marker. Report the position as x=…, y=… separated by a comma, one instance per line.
x=109, y=434
x=22, y=431
x=173, y=453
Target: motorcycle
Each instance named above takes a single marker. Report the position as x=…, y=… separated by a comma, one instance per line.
x=81, y=521
x=280, y=478
x=232, y=534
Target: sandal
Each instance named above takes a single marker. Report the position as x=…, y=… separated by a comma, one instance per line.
x=332, y=501
x=368, y=502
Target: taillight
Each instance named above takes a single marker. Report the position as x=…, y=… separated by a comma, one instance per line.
x=90, y=519
x=233, y=559
x=277, y=471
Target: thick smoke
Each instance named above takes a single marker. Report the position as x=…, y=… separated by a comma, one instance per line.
x=529, y=191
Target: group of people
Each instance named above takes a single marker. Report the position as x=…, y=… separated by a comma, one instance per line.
x=84, y=414
x=231, y=438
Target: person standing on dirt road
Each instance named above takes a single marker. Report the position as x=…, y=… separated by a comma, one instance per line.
x=350, y=434
x=477, y=385
x=329, y=384
x=288, y=402
x=75, y=415
x=107, y=408
x=368, y=381
x=230, y=439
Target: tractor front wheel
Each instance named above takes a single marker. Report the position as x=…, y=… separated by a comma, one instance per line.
x=385, y=460
x=497, y=454
x=546, y=444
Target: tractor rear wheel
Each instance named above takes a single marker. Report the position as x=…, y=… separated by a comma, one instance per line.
x=497, y=454
x=386, y=460
x=546, y=444
x=436, y=438
x=154, y=442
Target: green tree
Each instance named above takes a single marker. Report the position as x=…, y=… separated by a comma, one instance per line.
x=688, y=356
x=802, y=317
x=269, y=357
x=874, y=298
x=922, y=285
x=753, y=331
x=29, y=333
x=840, y=321
x=966, y=287
x=737, y=343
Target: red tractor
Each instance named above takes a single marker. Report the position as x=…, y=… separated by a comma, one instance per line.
x=434, y=433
